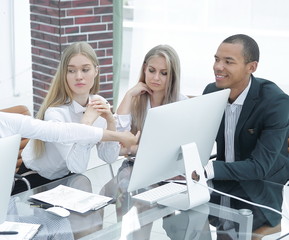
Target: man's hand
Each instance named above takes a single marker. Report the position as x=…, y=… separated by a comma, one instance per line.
x=195, y=176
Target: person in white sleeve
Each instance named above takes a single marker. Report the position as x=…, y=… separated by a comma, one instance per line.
x=28, y=127
x=75, y=85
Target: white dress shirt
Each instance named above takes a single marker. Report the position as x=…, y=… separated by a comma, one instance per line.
x=28, y=127
x=232, y=114
x=123, y=122
x=59, y=159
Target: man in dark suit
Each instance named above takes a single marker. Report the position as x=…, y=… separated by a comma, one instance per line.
x=252, y=138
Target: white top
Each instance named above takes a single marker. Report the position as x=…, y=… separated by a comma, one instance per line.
x=28, y=127
x=123, y=122
x=59, y=158
x=232, y=114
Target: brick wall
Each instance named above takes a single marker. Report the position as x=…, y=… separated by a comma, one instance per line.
x=56, y=24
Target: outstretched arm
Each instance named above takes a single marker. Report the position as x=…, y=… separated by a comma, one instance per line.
x=127, y=139
x=12, y=123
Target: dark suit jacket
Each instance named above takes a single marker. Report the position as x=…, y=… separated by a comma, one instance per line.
x=257, y=191
x=260, y=137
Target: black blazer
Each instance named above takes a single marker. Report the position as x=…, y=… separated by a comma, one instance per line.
x=260, y=137
x=257, y=191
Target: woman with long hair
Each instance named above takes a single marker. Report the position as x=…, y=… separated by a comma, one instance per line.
x=72, y=97
x=158, y=84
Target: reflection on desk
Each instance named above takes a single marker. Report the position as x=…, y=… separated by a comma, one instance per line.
x=259, y=192
x=72, y=227
x=192, y=224
x=131, y=219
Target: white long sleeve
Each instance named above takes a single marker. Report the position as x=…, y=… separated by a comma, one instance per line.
x=28, y=127
x=123, y=122
x=61, y=158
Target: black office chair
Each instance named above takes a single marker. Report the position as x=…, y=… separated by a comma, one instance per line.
x=213, y=156
x=18, y=177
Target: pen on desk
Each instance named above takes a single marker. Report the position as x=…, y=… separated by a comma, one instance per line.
x=43, y=205
x=8, y=232
x=112, y=201
x=99, y=206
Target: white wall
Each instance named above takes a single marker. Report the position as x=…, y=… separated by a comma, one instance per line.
x=20, y=92
x=196, y=28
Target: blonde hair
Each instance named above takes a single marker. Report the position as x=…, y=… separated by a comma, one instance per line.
x=172, y=92
x=59, y=92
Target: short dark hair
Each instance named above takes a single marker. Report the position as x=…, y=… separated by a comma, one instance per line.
x=250, y=47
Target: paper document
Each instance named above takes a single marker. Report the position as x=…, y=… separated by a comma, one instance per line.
x=72, y=199
x=25, y=231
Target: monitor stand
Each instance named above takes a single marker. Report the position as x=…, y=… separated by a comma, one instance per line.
x=196, y=194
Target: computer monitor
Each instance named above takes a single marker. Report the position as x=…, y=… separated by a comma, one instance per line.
x=9, y=148
x=169, y=127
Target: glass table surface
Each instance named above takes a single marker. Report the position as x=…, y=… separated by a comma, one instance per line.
x=262, y=210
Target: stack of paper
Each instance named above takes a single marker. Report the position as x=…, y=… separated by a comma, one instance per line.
x=25, y=231
x=72, y=199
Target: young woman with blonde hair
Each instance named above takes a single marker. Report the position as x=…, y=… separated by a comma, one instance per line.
x=159, y=84
x=72, y=97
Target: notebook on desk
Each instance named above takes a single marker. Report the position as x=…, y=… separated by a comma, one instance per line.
x=72, y=199
x=25, y=231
